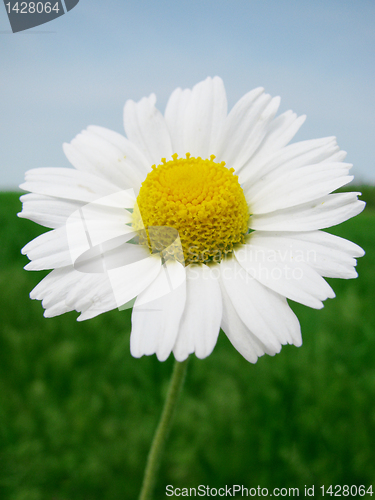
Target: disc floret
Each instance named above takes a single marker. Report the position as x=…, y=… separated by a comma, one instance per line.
x=202, y=200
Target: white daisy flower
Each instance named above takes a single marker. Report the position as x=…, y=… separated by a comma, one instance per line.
x=247, y=211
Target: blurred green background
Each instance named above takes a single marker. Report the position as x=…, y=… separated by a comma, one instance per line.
x=77, y=412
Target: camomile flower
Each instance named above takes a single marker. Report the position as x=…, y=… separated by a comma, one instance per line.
x=200, y=219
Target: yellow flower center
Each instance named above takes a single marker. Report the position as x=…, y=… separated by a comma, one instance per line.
x=200, y=199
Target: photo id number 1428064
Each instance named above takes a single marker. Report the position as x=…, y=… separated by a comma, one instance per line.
x=33, y=7
x=345, y=491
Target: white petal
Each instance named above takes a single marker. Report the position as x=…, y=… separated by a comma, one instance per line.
x=299, y=154
x=48, y=251
x=324, y=212
x=329, y=255
x=279, y=133
x=67, y=183
x=93, y=297
x=109, y=256
x=134, y=158
x=200, y=323
x=246, y=127
x=146, y=128
x=130, y=280
x=47, y=284
x=275, y=263
x=204, y=117
x=47, y=211
x=67, y=289
x=239, y=335
x=97, y=225
x=91, y=151
x=54, y=291
x=155, y=322
x=175, y=117
x=265, y=313
x=63, y=284
x=298, y=186
x=259, y=131
x=241, y=120
x=331, y=241
x=54, y=288
x=338, y=156
x=56, y=310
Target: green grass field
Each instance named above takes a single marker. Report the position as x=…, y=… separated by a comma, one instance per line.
x=77, y=412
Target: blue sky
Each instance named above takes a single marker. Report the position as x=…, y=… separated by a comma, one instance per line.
x=78, y=70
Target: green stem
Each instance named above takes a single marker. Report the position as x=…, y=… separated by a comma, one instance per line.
x=157, y=446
